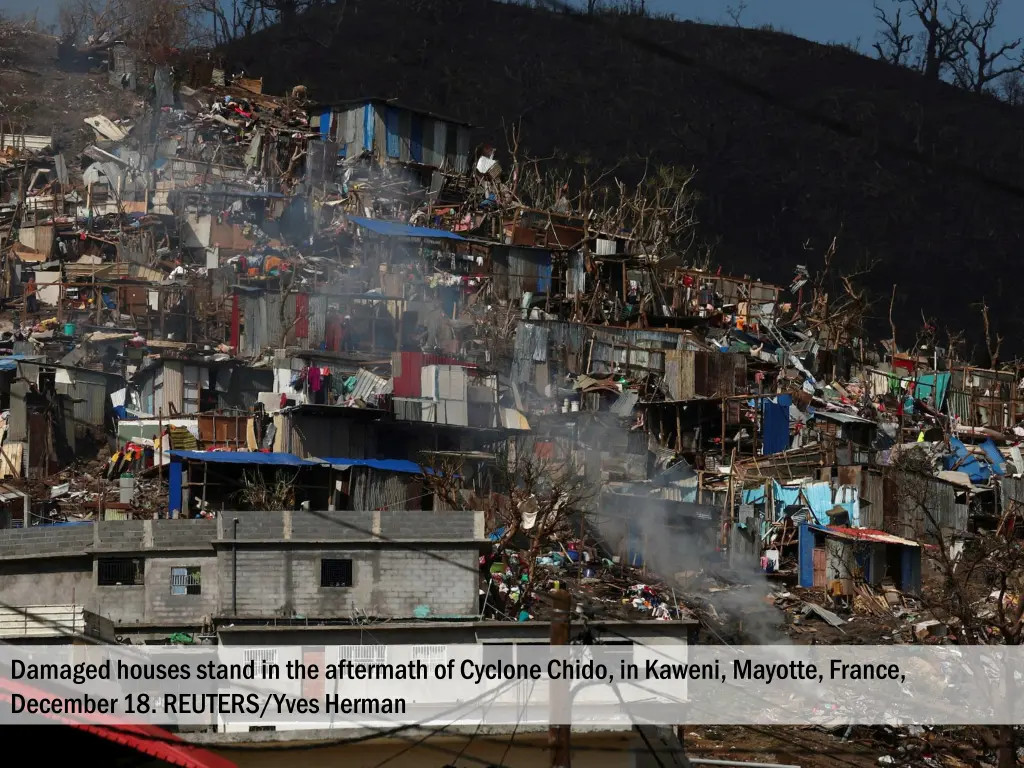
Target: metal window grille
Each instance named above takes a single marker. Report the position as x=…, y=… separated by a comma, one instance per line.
x=259, y=657
x=186, y=581
x=430, y=654
x=363, y=654
x=335, y=573
x=120, y=572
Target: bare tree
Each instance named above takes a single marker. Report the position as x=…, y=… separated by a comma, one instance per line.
x=944, y=32
x=893, y=46
x=982, y=61
x=992, y=346
x=540, y=499
x=736, y=13
x=235, y=19
x=1011, y=88
x=150, y=26
x=939, y=45
x=979, y=589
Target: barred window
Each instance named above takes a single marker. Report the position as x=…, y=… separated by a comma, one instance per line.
x=430, y=654
x=363, y=654
x=120, y=572
x=186, y=581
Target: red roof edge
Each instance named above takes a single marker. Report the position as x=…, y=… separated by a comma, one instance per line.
x=148, y=739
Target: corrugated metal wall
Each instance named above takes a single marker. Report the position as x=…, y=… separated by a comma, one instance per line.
x=173, y=390
x=89, y=390
x=380, y=132
x=406, y=371
x=372, y=489
x=44, y=239
x=872, y=500
x=433, y=143
x=462, y=151
x=254, y=338
x=17, y=422
x=679, y=374
x=924, y=502
x=331, y=438
x=518, y=270
x=605, y=347
x=690, y=374
x=393, y=127
x=440, y=142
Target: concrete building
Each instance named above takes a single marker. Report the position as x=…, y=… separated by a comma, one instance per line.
x=156, y=577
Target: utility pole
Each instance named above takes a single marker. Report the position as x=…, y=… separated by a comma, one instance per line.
x=558, y=734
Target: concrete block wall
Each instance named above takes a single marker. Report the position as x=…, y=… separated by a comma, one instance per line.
x=253, y=525
x=455, y=525
x=278, y=569
x=332, y=526
x=311, y=525
x=387, y=581
x=162, y=607
x=173, y=534
x=45, y=541
x=47, y=582
x=122, y=535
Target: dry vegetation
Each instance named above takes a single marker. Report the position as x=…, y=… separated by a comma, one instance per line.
x=769, y=181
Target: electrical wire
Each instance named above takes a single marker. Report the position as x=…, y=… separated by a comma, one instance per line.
x=395, y=732
x=436, y=731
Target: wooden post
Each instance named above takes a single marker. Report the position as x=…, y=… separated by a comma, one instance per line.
x=559, y=735
x=723, y=428
x=206, y=467
x=679, y=431
x=160, y=449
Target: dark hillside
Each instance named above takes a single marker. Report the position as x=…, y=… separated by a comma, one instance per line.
x=772, y=180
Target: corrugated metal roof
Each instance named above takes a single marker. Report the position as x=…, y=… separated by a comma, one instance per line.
x=624, y=405
x=397, y=229
x=843, y=418
x=368, y=385
x=243, y=457
x=24, y=141
x=10, y=362
x=864, y=534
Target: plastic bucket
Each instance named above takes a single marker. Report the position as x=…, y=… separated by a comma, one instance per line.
x=69, y=329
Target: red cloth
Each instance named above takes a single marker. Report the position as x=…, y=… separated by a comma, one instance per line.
x=334, y=334
x=301, y=315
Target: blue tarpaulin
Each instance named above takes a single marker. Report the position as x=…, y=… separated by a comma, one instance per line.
x=394, y=138
x=776, y=424
x=995, y=458
x=10, y=362
x=384, y=465
x=369, y=121
x=398, y=229
x=243, y=457
x=416, y=139
x=962, y=461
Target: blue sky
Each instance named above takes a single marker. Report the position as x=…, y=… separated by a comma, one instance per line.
x=824, y=21
x=840, y=21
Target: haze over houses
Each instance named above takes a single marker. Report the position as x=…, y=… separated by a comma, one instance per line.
x=277, y=371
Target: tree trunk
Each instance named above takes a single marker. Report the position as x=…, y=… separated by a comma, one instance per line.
x=1006, y=754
